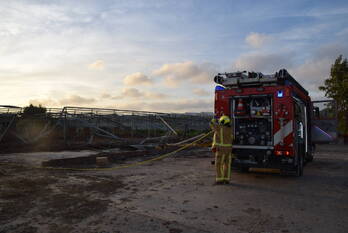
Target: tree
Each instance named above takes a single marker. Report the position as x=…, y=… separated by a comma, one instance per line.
x=32, y=110
x=336, y=87
x=32, y=122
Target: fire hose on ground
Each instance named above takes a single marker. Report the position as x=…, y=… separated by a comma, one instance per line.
x=122, y=166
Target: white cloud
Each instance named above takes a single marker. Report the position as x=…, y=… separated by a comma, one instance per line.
x=316, y=69
x=303, y=33
x=97, y=65
x=343, y=32
x=154, y=95
x=265, y=63
x=177, y=73
x=320, y=12
x=131, y=93
x=76, y=100
x=46, y=49
x=311, y=73
x=137, y=79
x=181, y=105
x=200, y=92
x=18, y=17
x=331, y=51
x=134, y=93
x=105, y=96
x=69, y=100
x=257, y=40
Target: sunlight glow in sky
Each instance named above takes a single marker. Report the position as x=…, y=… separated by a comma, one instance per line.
x=159, y=55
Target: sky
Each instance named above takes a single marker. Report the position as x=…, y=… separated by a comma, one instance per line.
x=160, y=55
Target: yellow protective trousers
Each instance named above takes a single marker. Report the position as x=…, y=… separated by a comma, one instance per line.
x=223, y=159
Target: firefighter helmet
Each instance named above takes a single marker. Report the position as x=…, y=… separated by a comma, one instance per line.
x=224, y=120
x=213, y=121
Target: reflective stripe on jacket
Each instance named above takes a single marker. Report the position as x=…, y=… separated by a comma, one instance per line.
x=222, y=135
x=216, y=138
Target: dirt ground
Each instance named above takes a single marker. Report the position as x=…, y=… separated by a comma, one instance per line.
x=176, y=195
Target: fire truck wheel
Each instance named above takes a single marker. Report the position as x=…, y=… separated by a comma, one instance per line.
x=299, y=167
x=309, y=158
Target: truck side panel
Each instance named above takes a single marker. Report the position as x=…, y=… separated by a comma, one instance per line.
x=283, y=124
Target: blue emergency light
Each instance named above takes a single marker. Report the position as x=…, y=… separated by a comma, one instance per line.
x=219, y=88
x=280, y=94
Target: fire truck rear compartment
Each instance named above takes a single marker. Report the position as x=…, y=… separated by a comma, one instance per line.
x=253, y=133
x=252, y=121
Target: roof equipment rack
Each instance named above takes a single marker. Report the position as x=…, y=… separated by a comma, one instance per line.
x=247, y=79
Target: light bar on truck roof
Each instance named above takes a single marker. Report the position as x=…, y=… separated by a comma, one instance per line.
x=249, y=79
x=219, y=88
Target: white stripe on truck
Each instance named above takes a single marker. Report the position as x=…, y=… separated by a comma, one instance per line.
x=282, y=133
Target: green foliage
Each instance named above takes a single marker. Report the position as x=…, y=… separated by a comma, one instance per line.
x=32, y=110
x=32, y=122
x=336, y=87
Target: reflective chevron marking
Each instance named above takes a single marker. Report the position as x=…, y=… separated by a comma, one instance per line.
x=282, y=133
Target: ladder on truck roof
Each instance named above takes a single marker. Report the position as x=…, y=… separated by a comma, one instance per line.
x=247, y=79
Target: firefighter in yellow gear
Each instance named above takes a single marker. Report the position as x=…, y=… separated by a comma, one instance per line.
x=222, y=147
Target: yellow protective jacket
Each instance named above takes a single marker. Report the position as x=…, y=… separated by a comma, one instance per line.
x=215, y=128
x=222, y=136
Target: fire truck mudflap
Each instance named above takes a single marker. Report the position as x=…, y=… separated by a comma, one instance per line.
x=271, y=116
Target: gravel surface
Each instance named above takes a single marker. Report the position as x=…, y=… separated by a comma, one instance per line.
x=176, y=195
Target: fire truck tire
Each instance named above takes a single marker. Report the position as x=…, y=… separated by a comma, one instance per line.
x=299, y=167
x=286, y=173
x=309, y=158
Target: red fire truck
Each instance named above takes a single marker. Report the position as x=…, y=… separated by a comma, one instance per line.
x=271, y=116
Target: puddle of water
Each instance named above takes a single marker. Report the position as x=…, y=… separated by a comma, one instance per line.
x=112, y=150
x=36, y=158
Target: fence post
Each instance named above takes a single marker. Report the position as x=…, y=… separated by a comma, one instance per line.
x=64, y=128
